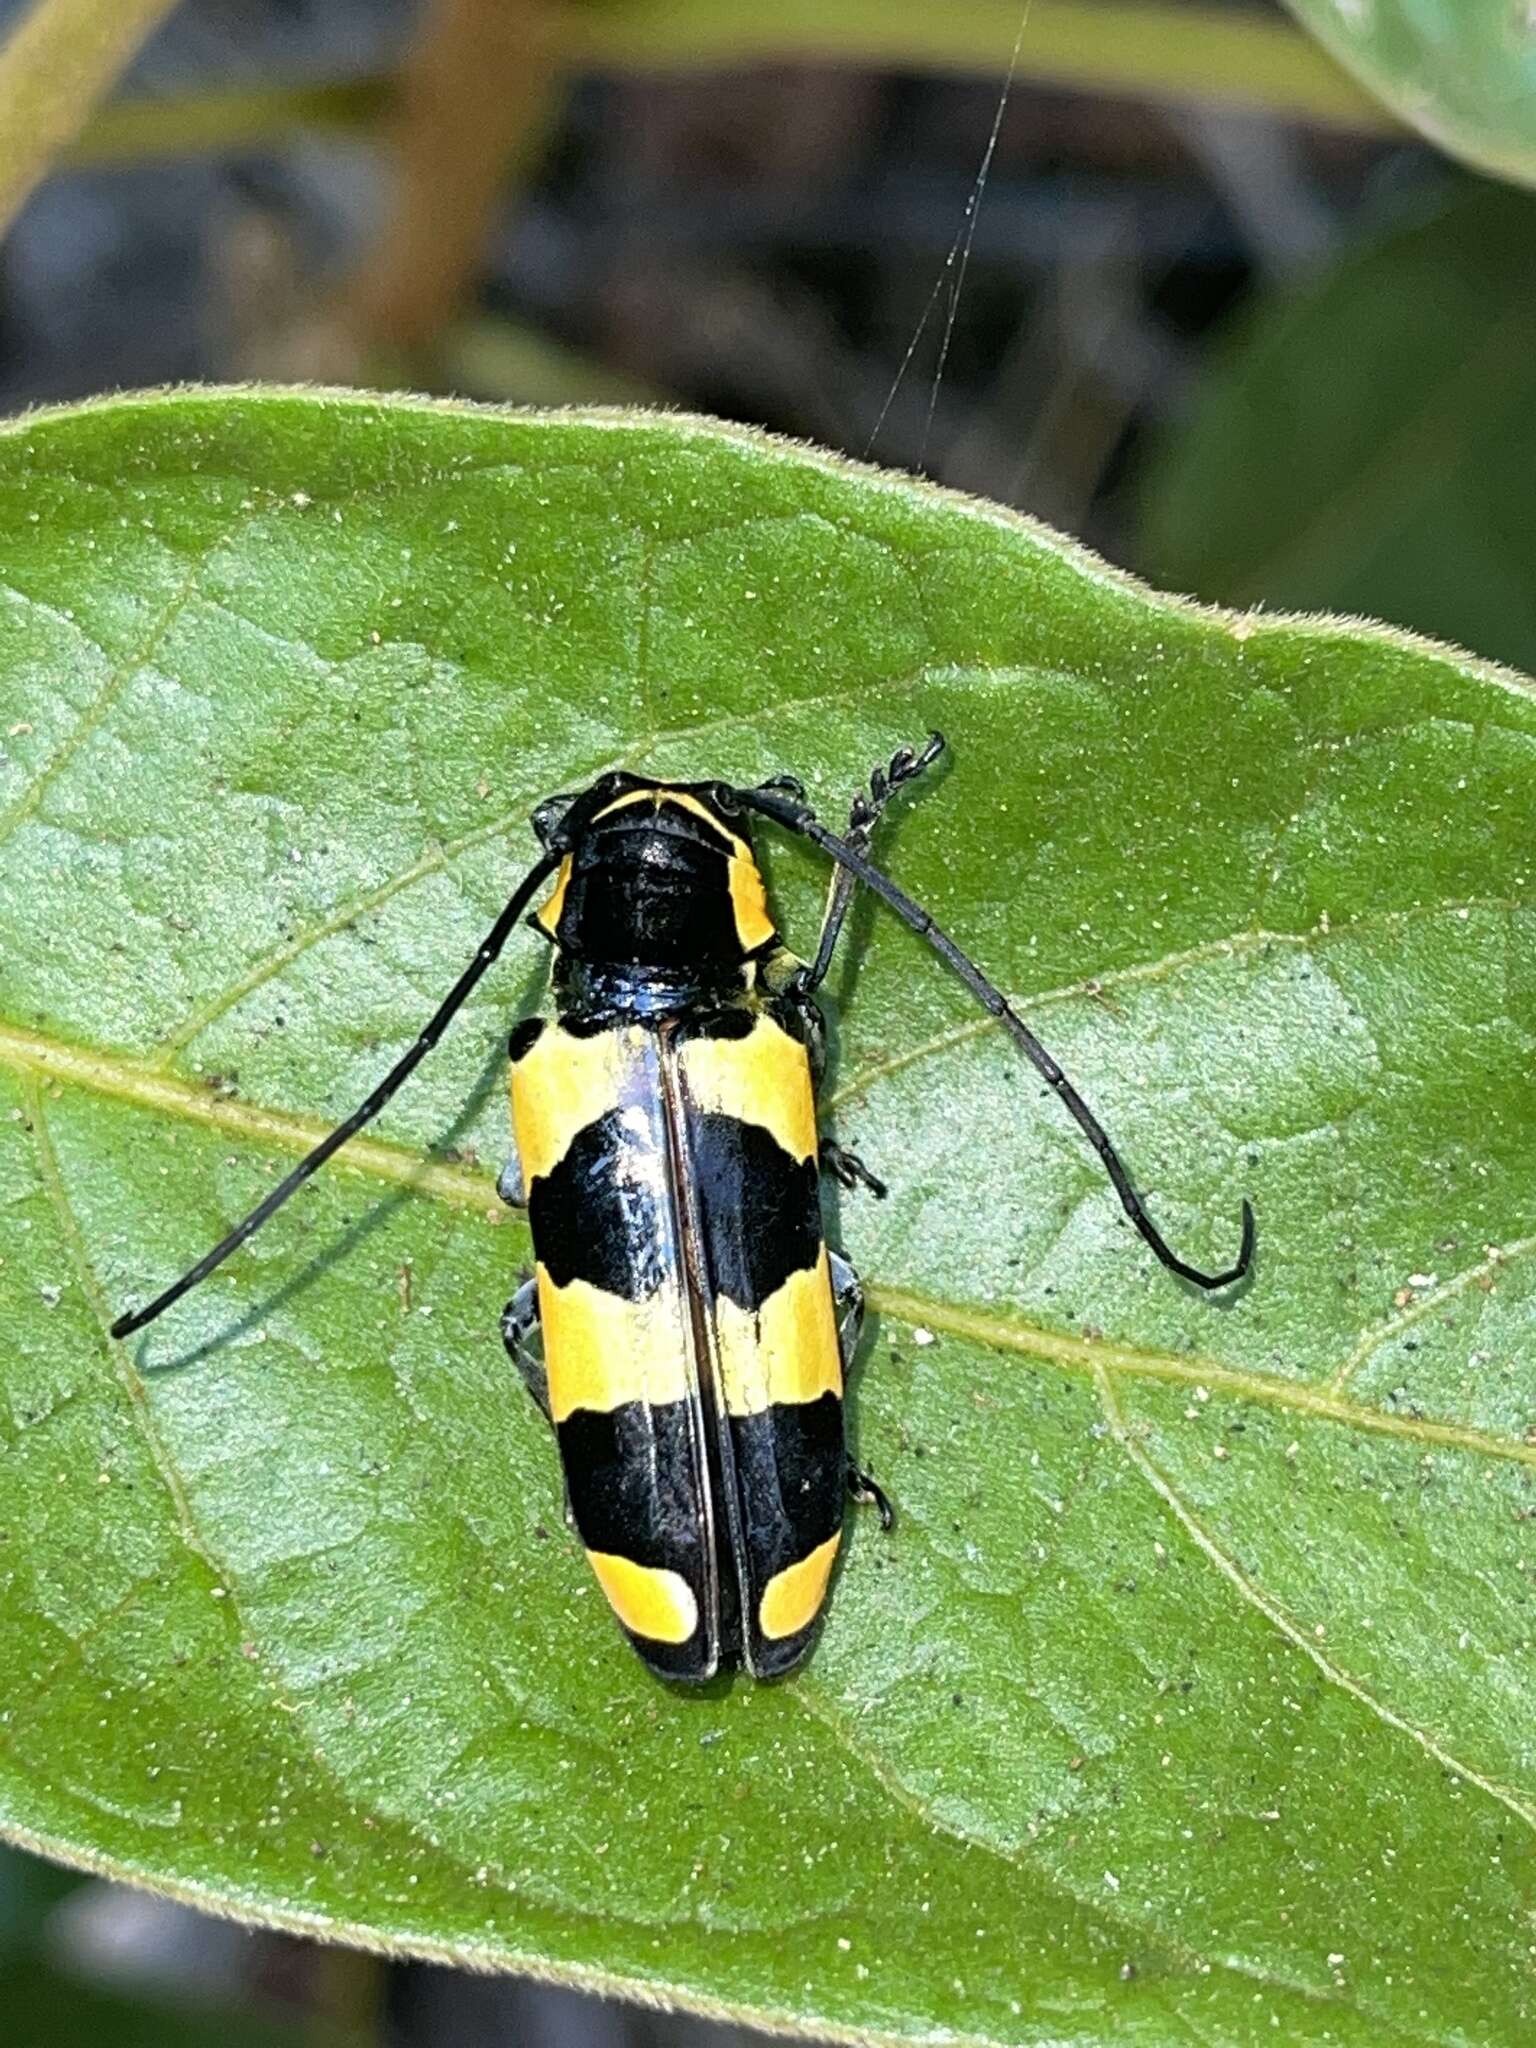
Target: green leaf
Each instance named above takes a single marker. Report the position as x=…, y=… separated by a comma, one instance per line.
x=47, y=1995
x=1368, y=443
x=1192, y=1695
x=29, y=1891
x=1463, y=72
x=42, y=2004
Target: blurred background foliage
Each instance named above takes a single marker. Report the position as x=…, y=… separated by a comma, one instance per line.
x=1218, y=308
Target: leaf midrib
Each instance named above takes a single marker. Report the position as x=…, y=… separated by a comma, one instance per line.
x=125, y=1080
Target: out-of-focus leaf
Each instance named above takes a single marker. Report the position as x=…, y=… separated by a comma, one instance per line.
x=28, y=1891
x=46, y=2004
x=1369, y=444
x=1463, y=72
x=43, y=2009
x=1192, y=1696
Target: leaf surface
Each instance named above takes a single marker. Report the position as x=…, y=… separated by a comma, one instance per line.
x=1192, y=1696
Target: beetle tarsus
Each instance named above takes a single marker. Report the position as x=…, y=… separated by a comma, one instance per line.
x=849, y=1170
x=868, y=1493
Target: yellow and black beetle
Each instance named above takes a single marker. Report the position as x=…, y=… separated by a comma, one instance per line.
x=688, y=1332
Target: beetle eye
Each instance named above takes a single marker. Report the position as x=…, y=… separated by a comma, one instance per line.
x=548, y=818
x=724, y=798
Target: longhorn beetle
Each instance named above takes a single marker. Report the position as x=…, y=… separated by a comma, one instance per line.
x=688, y=1332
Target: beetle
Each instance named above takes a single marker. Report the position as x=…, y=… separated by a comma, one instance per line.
x=687, y=1331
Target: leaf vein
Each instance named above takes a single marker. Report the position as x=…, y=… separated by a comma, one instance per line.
x=431, y=862
x=95, y=713
x=1232, y=946
x=16, y=1717
x=1372, y=1340
x=1119, y=1919
x=1089, y=1355
x=191, y=1536
x=1282, y=1622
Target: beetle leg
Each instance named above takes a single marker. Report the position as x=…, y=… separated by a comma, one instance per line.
x=848, y=1300
x=509, y=1182
x=849, y=1170
x=804, y=1015
x=525, y=1344
x=524, y=1340
x=864, y=1490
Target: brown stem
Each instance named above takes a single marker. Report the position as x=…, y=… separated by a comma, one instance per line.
x=58, y=62
x=476, y=98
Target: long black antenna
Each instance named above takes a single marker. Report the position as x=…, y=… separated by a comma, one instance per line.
x=797, y=817
x=490, y=947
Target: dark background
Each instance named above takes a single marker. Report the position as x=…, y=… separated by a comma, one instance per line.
x=1270, y=356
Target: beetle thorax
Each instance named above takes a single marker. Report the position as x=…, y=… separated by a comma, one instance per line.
x=660, y=886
